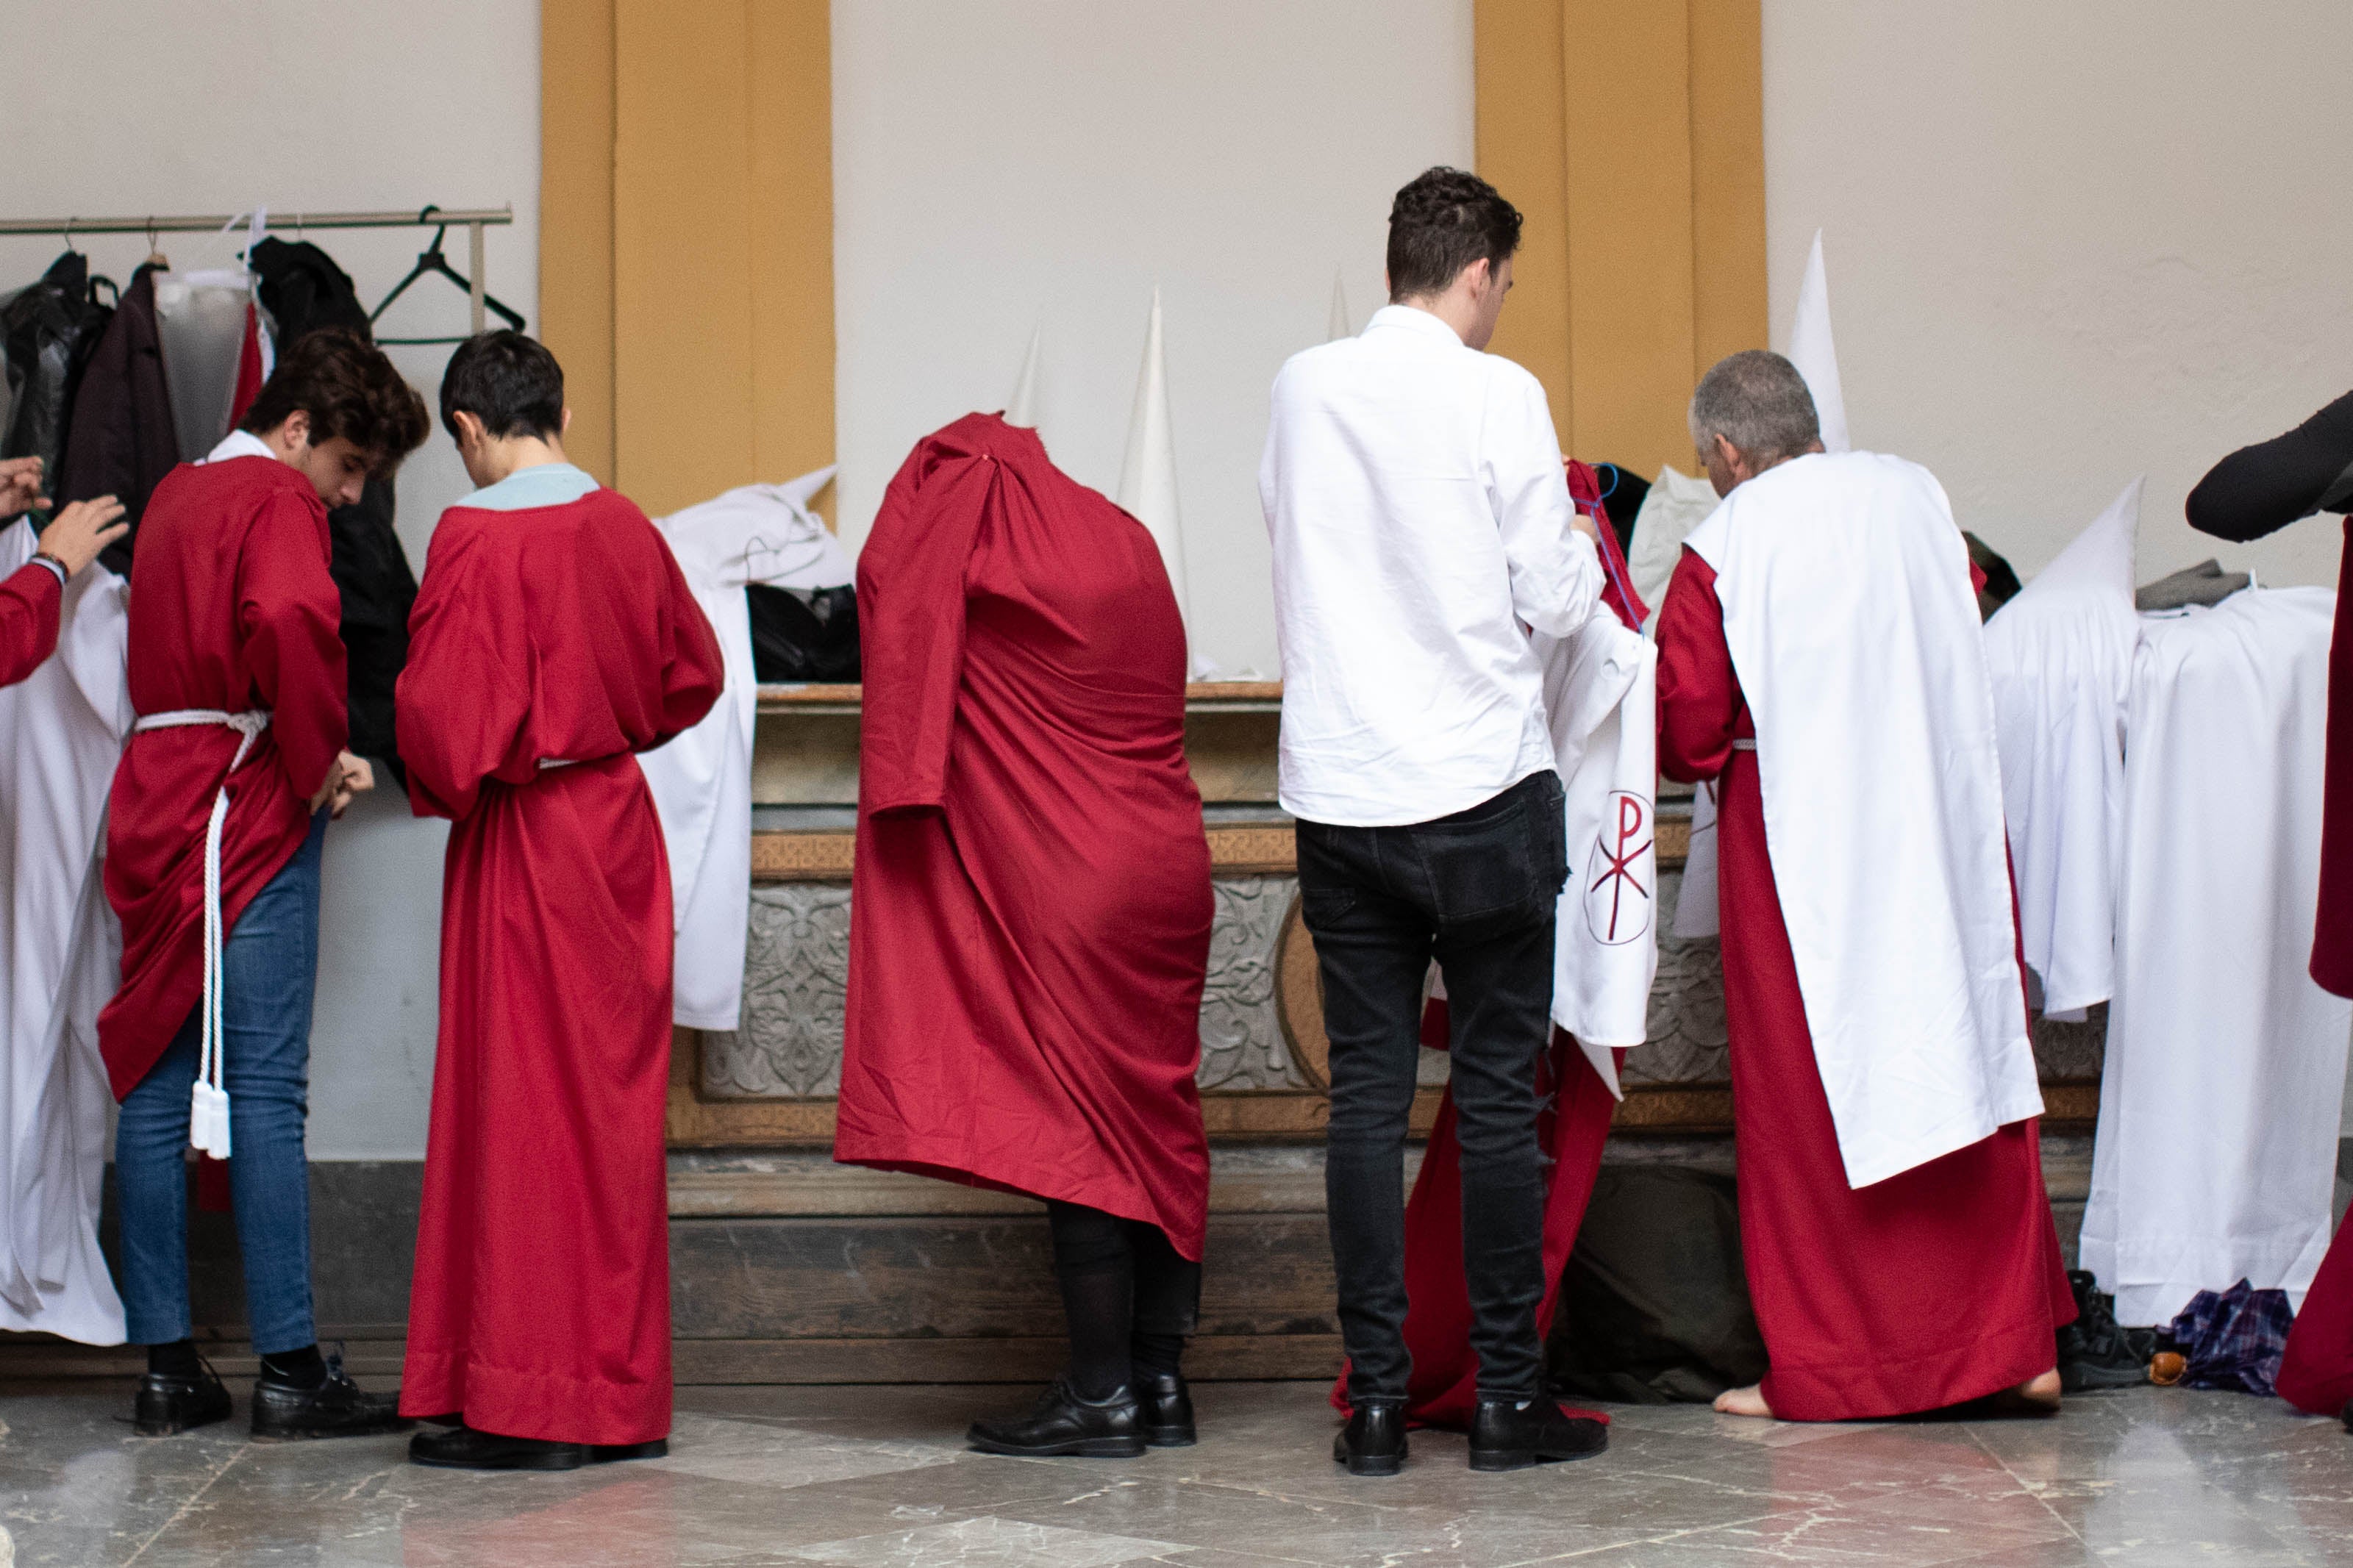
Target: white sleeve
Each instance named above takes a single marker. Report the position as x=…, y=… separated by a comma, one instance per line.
x=1555, y=574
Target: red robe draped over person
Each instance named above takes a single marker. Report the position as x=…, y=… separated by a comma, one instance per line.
x=1936, y=1286
x=1572, y=1131
x=548, y=645
x=1029, y=918
x=232, y=609
x=31, y=598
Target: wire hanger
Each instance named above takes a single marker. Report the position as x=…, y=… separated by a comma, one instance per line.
x=433, y=261
x=155, y=257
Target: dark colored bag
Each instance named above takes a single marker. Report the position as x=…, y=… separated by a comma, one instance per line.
x=803, y=634
x=1654, y=1301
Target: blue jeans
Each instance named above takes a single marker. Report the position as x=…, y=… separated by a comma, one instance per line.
x=269, y=968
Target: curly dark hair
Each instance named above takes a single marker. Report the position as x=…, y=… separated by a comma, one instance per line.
x=1441, y=222
x=349, y=389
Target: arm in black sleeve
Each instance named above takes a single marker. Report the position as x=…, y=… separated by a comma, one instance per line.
x=2261, y=488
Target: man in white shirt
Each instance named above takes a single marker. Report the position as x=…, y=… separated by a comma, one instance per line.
x=1421, y=523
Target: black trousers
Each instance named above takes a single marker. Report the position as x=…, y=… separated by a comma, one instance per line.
x=1129, y=1296
x=1475, y=890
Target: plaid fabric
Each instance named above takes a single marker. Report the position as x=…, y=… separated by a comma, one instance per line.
x=2233, y=1340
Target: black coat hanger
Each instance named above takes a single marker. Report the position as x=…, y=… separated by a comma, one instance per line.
x=432, y=260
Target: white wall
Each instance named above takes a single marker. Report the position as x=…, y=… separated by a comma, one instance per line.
x=1042, y=164
x=2071, y=243
x=119, y=107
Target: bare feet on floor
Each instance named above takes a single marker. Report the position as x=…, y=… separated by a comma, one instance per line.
x=1750, y=1401
x=2036, y=1396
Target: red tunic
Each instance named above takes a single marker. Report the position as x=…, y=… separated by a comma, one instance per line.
x=1934, y=1287
x=541, y=1304
x=29, y=602
x=1030, y=923
x=231, y=608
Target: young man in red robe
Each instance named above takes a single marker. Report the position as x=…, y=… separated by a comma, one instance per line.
x=553, y=638
x=1030, y=915
x=234, y=764
x=1820, y=657
x=32, y=596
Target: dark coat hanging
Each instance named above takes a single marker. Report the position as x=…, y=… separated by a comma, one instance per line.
x=48, y=330
x=120, y=441
x=303, y=289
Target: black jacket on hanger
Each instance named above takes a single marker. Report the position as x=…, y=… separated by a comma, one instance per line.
x=303, y=289
x=120, y=440
x=48, y=330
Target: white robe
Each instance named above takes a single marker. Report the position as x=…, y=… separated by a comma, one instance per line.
x=2220, y=1099
x=1853, y=631
x=61, y=732
x=701, y=780
x=2061, y=654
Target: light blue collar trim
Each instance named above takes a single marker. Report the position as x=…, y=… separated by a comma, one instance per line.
x=547, y=484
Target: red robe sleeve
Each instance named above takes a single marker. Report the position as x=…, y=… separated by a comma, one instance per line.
x=1700, y=705
x=290, y=614
x=29, y=602
x=911, y=627
x=462, y=700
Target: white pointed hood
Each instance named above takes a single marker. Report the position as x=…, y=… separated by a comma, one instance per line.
x=1147, y=476
x=1022, y=410
x=1337, y=327
x=1814, y=353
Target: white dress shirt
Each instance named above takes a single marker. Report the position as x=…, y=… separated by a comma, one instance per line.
x=1421, y=523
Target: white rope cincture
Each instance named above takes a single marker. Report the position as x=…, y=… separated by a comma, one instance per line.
x=208, y=1100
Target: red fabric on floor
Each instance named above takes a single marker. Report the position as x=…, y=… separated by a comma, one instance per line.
x=541, y=1304
x=1030, y=925
x=1934, y=1286
x=2332, y=936
x=231, y=608
x=2316, y=1372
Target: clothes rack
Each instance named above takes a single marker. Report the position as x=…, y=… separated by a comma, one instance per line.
x=474, y=220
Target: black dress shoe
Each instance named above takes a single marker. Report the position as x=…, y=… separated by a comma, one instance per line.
x=1511, y=1435
x=1167, y=1409
x=335, y=1408
x=1063, y=1423
x=1373, y=1442
x=466, y=1448
x=169, y=1403
x=2346, y=1415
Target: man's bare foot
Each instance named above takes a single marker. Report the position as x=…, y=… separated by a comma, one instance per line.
x=1750, y=1401
x=2038, y=1395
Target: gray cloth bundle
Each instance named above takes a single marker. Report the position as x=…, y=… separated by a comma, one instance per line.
x=2204, y=583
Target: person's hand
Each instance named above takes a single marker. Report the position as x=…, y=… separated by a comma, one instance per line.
x=1583, y=524
x=80, y=530
x=348, y=776
x=20, y=485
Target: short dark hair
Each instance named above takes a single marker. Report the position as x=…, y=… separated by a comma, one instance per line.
x=1441, y=222
x=350, y=390
x=508, y=382
x=1757, y=400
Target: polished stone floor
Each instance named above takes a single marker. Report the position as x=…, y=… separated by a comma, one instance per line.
x=878, y=1478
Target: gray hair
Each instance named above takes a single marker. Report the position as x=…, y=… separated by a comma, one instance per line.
x=1759, y=402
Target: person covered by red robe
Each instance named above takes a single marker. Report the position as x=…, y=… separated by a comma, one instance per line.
x=2255, y=491
x=235, y=763
x=553, y=638
x=1030, y=905
x=1819, y=659
x=32, y=597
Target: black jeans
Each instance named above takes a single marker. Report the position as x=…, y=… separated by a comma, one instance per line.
x=1475, y=890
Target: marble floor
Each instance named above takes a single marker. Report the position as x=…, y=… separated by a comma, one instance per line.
x=878, y=1478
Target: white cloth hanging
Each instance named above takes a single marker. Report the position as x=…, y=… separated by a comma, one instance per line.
x=1854, y=632
x=61, y=733
x=2216, y=1146
x=1675, y=505
x=2061, y=655
x=701, y=780
x=200, y=326
x=1601, y=703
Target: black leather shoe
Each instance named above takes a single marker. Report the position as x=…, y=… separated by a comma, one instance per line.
x=336, y=1408
x=1063, y=1423
x=1509, y=1434
x=167, y=1404
x=1167, y=1409
x=2346, y=1414
x=464, y=1448
x=1373, y=1442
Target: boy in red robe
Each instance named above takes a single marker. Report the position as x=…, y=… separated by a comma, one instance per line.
x=553, y=638
x=32, y=596
x=233, y=766
x=1897, y=1238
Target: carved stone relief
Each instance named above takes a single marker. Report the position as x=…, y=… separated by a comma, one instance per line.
x=796, y=981
x=1242, y=1044
x=1688, y=1044
x=2071, y=1053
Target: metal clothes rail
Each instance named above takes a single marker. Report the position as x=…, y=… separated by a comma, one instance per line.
x=472, y=219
